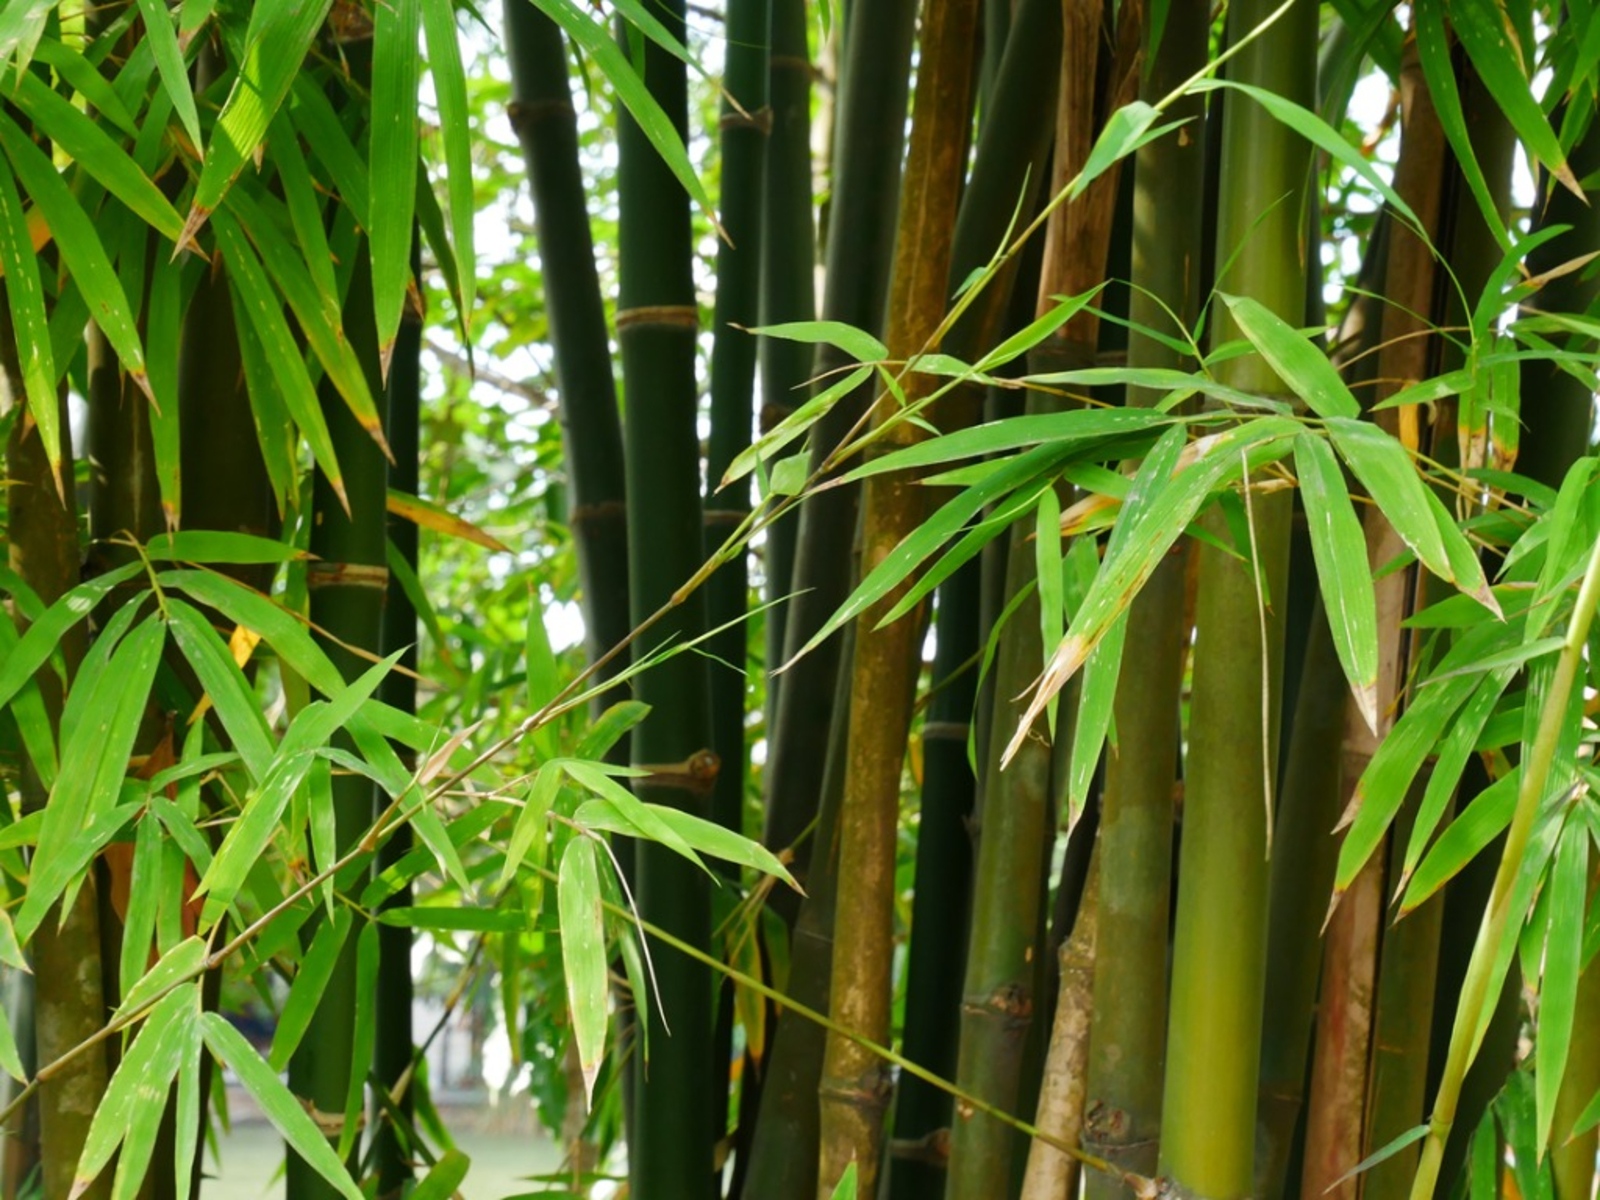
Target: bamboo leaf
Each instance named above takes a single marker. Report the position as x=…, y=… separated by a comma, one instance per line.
x=163, y=42
x=529, y=831
x=1384, y=468
x=1304, y=368
x=277, y=1103
x=450, y=87
x=1036, y=331
x=792, y=426
x=21, y=26
x=473, y=920
x=1101, y=671
x=224, y=683
x=1490, y=44
x=125, y=1111
x=30, y=325
x=428, y=515
x=1558, y=990
x=184, y=961
x=310, y=982
x=396, y=71
x=220, y=546
x=277, y=47
x=364, y=1037
x=1340, y=551
x=857, y=343
x=705, y=836
x=1478, y=825
x=1130, y=127
x=187, y=1135
x=644, y=819
x=845, y=1189
x=80, y=138
x=305, y=207
x=583, y=954
x=1158, y=508
x=610, y=728
x=144, y=897
x=313, y=116
x=10, y=1058
x=442, y=1181
x=1409, y=1138
x=259, y=314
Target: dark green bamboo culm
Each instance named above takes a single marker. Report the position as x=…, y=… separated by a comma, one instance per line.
x=1127, y=1037
x=1219, y=954
x=347, y=581
x=869, y=141
x=745, y=120
x=395, y=1044
x=936, y=954
x=542, y=115
x=69, y=1001
x=788, y=284
x=670, y=1152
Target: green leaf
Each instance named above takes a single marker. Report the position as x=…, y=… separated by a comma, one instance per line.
x=583, y=954
x=277, y=1103
x=1477, y=825
x=78, y=136
x=364, y=1038
x=278, y=42
x=163, y=42
x=184, y=961
x=1027, y=338
x=443, y=1180
x=1409, y=1138
x=1303, y=367
x=125, y=1115
x=1340, y=551
x=1096, y=699
x=1158, y=509
x=705, y=836
x=30, y=325
x=1385, y=469
x=94, y=761
x=304, y=202
x=230, y=692
x=610, y=727
x=792, y=426
x=310, y=982
x=645, y=821
x=529, y=831
x=259, y=313
x=396, y=71
x=144, y=896
x=1488, y=41
x=1558, y=990
x=857, y=343
x=220, y=546
x=1130, y=127
x=845, y=1189
x=450, y=89
x=10, y=1058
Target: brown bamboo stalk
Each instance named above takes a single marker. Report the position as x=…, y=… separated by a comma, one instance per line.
x=885, y=661
x=1052, y=1174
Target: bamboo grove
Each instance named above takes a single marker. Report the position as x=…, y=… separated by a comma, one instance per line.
x=1083, y=522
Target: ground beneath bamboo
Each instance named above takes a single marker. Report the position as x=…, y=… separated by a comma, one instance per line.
x=505, y=1148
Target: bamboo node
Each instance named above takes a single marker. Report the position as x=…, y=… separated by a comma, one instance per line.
x=323, y=574
x=697, y=773
x=932, y=1149
x=869, y=1090
x=667, y=316
x=760, y=120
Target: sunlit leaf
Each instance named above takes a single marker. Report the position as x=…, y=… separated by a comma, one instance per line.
x=583, y=954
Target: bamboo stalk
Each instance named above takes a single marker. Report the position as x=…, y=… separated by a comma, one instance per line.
x=1126, y=1045
x=1050, y=1174
x=885, y=661
x=670, y=1152
x=541, y=113
x=788, y=285
x=870, y=137
x=347, y=583
x=395, y=1045
x=1219, y=951
x=69, y=1003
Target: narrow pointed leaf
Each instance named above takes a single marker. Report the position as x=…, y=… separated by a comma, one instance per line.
x=1304, y=369
x=792, y=426
x=450, y=87
x=163, y=41
x=445, y=1177
x=1340, y=550
x=277, y=1103
x=1558, y=989
x=1477, y=825
x=583, y=954
x=529, y=831
x=396, y=71
x=30, y=325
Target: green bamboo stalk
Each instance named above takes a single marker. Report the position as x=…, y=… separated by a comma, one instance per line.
x=541, y=113
x=395, y=1039
x=1219, y=952
x=936, y=953
x=1128, y=1029
x=783, y=1150
x=670, y=1152
x=69, y=1003
x=886, y=661
x=869, y=142
x=347, y=581
x=788, y=284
